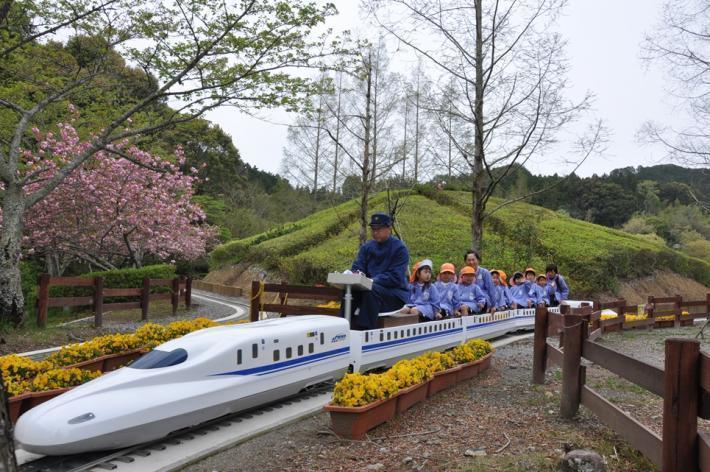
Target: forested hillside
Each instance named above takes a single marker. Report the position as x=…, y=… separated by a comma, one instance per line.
x=436, y=225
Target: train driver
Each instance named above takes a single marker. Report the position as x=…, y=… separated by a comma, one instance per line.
x=384, y=259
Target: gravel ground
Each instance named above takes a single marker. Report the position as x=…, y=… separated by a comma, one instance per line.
x=117, y=322
x=500, y=419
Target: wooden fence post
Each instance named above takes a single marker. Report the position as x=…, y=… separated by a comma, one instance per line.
x=98, y=301
x=622, y=312
x=145, y=298
x=42, y=300
x=540, y=345
x=678, y=310
x=188, y=292
x=571, y=362
x=255, y=301
x=680, y=405
x=175, y=295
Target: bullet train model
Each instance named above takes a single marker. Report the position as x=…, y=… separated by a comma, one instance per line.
x=222, y=370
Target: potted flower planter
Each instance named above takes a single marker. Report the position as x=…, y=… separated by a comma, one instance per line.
x=443, y=380
x=355, y=422
x=93, y=365
x=410, y=396
x=26, y=401
x=664, y=323
x=471, y=369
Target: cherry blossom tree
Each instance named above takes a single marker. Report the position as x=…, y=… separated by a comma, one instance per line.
x=112, y=210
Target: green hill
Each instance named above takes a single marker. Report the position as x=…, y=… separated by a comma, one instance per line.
x=436, y=225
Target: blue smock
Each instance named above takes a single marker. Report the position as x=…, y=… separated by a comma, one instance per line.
x=520, y=295
x=503, y=299
x=425, y=297
x=485, y=282
x=540, y=294
x=471, y=296
x=386, y=264
x=448, y=296
x=558, y=287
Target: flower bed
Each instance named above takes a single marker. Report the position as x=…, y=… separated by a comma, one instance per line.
x=362, y=402
x=101, y=354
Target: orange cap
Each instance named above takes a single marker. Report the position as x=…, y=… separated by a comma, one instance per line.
x=447, y=267
x=530, y=269
x=468, y=270
x=503, y=277
x=413, y=274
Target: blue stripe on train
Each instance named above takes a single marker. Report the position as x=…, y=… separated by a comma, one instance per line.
x=278, y=366
x=386, y=344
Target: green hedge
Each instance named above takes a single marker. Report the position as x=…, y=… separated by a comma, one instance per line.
x=119, y=278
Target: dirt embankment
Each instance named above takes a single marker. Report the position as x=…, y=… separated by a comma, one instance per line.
x=635, y=291
x=660, y=284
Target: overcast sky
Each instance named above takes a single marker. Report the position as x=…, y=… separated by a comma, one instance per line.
x=604, y=48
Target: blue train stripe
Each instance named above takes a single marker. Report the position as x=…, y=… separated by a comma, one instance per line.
x=278, y=366
x=386, y=344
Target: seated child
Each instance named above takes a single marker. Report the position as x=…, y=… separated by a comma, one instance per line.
x=423, y=295
x=448, y=291
x=520, y=293
x=471, y=298
x=502, y=295
x=529, y=277
x=542, y=296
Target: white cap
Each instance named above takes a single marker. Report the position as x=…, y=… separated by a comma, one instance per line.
x=426, y=263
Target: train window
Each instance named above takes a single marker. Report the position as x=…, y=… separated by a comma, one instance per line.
x=254, y=350
x=420, y=330
x=389, y=336
x=382, y=336
x=277, y=355
x=310, y=348
x=322, y=338
x=367, y=337
x=300, y=350
x=156, y=359
x=408, y=332
x=401, y=334
x=289, y=353
x=239, y=356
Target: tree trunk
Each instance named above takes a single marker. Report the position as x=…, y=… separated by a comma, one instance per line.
x=477, y=190
x=12, y=303
x=319, y=124
x=416, y=132
x=404, y=146
x=8, y=461
x=337, y=135
x=365, y=196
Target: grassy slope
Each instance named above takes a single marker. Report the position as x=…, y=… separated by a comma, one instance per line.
x=437, y=226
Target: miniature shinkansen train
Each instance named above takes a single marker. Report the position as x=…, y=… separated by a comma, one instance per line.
x=227, y=369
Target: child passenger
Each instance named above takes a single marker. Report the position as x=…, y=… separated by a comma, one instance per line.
x=502, y=295
x=542, y=296
x=472, y=300
x=423, y=295
x=520, y=293
x=447, y=288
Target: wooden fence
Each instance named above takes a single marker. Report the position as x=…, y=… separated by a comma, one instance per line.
x=656, y=307
x=684, y=385
x=177, y=286
x=288, y=292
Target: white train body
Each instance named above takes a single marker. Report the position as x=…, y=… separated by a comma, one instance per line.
x=223, y=370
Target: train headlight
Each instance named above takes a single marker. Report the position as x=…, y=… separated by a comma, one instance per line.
x=81, y=418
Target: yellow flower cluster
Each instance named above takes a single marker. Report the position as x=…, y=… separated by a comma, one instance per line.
x=360, y=389
x=18, y=371
x=330, y=304
x=608, y=316
x=471, y=351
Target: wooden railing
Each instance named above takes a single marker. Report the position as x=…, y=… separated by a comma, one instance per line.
x=177, y=286
x=684, y=385
x=288, y=292
x=655, y=308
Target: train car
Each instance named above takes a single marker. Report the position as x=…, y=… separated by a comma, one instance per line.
x=190, y=380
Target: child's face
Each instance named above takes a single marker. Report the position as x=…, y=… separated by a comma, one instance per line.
x=425, y=275
x=447, y=277
x=496, y=279
x=518, y=281
x=542, y=282
x=530, y=277
x=467, y=279
x=551, y=274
